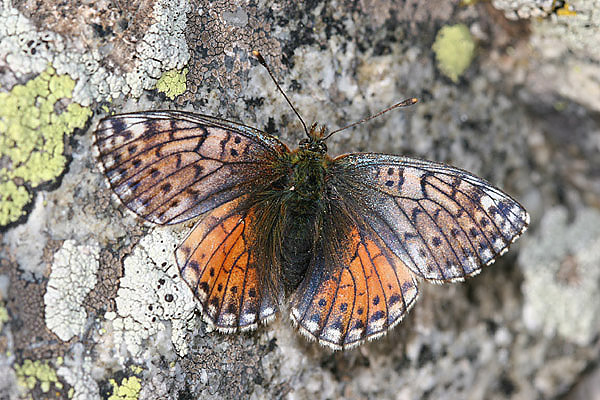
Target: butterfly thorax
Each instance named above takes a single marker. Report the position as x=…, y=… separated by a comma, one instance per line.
x=307, y=177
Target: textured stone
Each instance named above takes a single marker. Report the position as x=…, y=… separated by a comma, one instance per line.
x=515, y=117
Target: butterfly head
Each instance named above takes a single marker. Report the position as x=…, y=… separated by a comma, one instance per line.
x=315, y=141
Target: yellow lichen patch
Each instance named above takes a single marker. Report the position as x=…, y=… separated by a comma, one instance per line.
x=172, y=83
x=566, y=10
x=33, y=121
x=3, y=316
x=136, y=369
x=454, y=49
x=32, y=373
x=129, y=389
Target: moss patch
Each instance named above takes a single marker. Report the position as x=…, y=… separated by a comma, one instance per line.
x=172, y=83
x=33, y=121
x=454, y=49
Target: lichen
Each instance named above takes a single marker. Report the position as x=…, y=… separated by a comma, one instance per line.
x=72, y=276
x=4, y=318
x=562, y=278
x=454, y=49
x=162, y=48
x=76, y=370
x=129, y=389
x=150, y=294
x=13, y=199
x=526, y=9
x=32, y=137
x=33, y=373
x=27, y=50
x=172, y=83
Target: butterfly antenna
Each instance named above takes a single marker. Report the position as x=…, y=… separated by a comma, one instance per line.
x=404, y=103
x=261, y=60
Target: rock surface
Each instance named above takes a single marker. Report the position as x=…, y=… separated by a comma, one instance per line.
x=91, y=304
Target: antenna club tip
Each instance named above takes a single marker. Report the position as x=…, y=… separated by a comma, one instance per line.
x=259, y=56
x=414, y=100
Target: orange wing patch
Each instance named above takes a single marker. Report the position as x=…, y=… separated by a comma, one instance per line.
x=216, y=260
x=359, y=299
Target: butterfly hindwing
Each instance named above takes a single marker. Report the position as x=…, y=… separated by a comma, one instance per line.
x=355, y=288
x=442, y=222
x=219, y=263
x=169, y=166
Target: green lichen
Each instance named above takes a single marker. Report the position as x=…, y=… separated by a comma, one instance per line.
x=33, y=121
x=136, y=369
x=3, y=316
x=172, y=83
x=32, y=373
x=454, y=49
x=129, y=389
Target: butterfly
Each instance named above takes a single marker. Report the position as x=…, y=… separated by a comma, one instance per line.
x=342, y=240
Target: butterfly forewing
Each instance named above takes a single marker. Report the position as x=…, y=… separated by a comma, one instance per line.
x=442, y=222
x=169, y=166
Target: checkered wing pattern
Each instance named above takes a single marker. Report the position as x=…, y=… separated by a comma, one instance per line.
x=355, y=288
x=443, y=223
x=219, y=261
x=170, y=166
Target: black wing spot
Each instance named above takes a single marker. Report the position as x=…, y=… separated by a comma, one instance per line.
x=394, y=299
x=199, y=169
x=203, y=286
x=231, y=309
x=377, y=316
x=166, y=188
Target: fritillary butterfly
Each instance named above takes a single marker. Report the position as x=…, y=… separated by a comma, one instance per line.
x=343, y=239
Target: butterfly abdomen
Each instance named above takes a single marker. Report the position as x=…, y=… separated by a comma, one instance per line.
x=296, y=247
